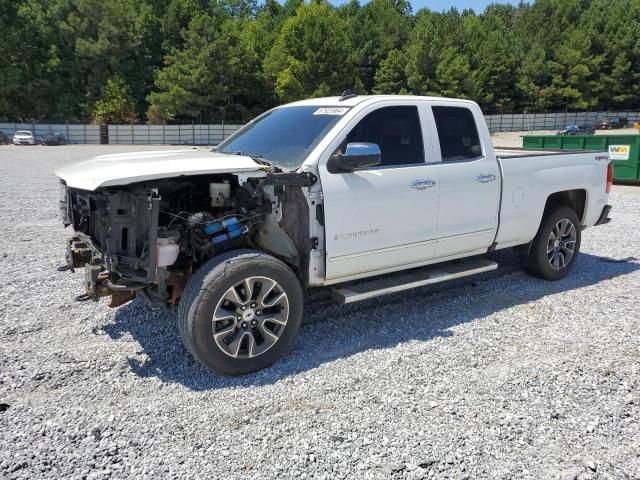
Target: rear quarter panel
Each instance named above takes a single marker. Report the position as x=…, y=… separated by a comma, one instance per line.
x=528, y=181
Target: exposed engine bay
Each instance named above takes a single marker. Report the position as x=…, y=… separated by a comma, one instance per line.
x=148, y=238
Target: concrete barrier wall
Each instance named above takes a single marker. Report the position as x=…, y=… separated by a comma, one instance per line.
x=170, y=134
x=74, y=133
x=532, y=122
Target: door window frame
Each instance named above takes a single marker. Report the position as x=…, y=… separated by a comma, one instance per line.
x=436, y=136
x=425, y=129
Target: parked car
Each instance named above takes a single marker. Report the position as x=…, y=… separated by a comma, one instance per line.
x=4, y=139
x=24, y=137
x=612, y=124
x=368, y=187
x=578, y=130
x=54, y=138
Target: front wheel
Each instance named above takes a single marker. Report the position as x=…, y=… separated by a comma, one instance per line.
x=240, y=312
x=556, y=245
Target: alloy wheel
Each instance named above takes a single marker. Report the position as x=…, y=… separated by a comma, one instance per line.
x=561, y=244
x=250, y=317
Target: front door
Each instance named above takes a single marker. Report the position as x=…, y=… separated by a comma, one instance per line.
x=384, y=216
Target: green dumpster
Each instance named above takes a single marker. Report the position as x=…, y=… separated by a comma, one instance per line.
x=624, y=150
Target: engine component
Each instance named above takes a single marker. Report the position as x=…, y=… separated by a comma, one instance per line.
x=200, y=218
x=227, y=229
x=219, y=193
x=167, y=247
x=78, y=254
x=167, y=251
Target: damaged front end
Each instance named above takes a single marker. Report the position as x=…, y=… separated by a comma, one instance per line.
x=148, y=238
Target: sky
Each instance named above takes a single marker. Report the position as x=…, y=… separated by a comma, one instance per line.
x=439, y=5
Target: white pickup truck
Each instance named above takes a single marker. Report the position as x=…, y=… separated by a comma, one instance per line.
x=358, y=194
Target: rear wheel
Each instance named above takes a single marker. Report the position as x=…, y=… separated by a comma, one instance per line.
x=556, y=245
x=240, y=312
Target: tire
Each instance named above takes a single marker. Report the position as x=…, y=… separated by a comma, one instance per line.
x=554, y=264
x=251, y=332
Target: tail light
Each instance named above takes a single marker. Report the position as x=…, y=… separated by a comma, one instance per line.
x=609, y=176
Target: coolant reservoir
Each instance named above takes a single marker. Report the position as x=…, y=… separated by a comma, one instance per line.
x=167, y=252
x=219, y=193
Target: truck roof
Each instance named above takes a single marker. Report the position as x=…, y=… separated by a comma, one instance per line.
x=356, y=100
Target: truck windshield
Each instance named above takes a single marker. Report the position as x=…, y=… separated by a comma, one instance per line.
x=284, y=136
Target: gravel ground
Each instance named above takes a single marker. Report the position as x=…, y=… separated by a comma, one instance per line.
x=502, y=376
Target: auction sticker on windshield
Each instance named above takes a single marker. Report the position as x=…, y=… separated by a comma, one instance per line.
x=331, y=111
x=619, y=152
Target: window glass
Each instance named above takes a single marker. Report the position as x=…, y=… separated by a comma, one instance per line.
x=284, y=136
x=396, y=130
x=458, y=134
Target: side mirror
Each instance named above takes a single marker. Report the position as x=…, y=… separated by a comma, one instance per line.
x=355, y=156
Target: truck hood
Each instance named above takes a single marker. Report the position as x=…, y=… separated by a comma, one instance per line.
x=125, y=168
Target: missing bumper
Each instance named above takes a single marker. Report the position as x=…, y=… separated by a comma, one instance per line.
x=604, y=216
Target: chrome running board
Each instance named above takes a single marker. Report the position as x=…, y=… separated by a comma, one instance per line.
x=420, y=277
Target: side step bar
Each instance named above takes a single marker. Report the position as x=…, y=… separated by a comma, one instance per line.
x=415, y=278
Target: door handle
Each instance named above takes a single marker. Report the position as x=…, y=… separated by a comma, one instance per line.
x=422, y=184
x=486, y=178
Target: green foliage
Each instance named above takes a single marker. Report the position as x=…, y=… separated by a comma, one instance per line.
x=116, y=105
x=310, y=56
x=30, y=66
x=217, y=73
x=217, y=60
x=107, y=38
x=390, y=76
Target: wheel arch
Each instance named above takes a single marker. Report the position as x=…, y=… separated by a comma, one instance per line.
x=576, y=199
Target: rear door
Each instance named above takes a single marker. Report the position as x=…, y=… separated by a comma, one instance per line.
x=469, y=179
x=381, y=217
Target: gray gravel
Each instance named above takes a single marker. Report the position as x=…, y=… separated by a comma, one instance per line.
x=503, y=376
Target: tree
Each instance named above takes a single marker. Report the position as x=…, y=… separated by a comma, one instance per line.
x=614, y=32
x=30, y=67
x=423, y=52
x=488, y=42
x=231, y=59
x=375, y=30
x=110, y=37
x=390, y=76
x=574, y=73
x=453, y=74
x=216, y=74
x=310, y=56
x=116, y=105
x=533, y=75
x=176, y=19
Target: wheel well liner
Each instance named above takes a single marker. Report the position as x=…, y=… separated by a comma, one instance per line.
x=295, y=222
x=575, y=199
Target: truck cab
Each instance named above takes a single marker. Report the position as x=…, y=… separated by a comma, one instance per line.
x=434, y=194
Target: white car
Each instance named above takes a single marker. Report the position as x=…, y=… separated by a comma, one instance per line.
x=24, y=137
x=362, y=195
